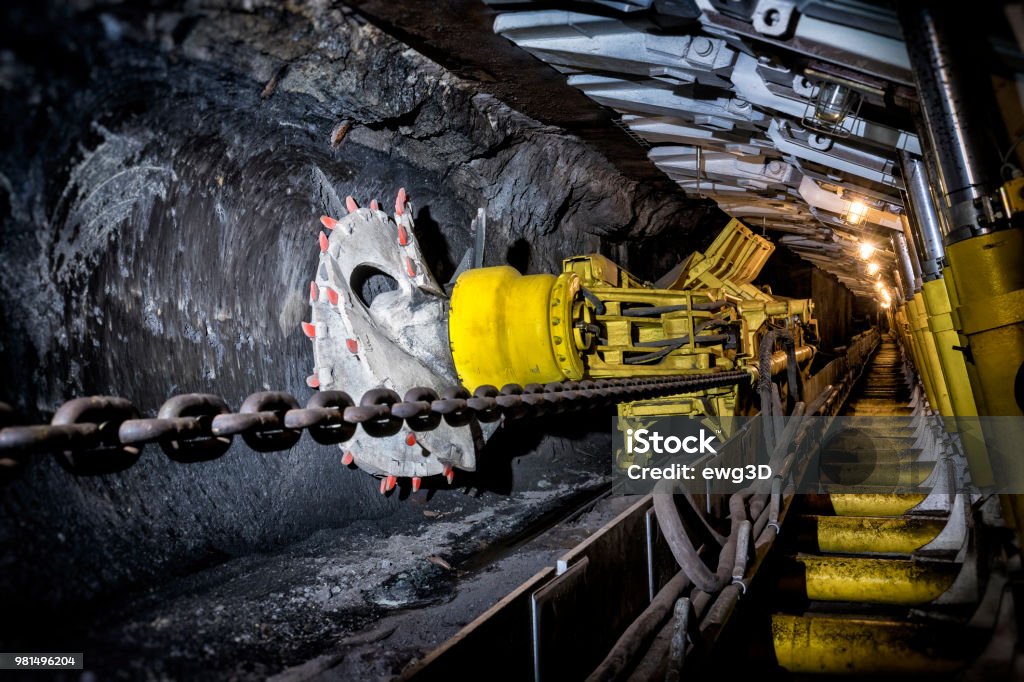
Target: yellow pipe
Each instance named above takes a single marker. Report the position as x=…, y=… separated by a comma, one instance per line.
x=893, y=504
x=878, y=473
x=780, y=360
x=871, y=443
x=951, y=361
x=906, y=334
x=917, y=350
x=1008, y=503
x=876, y=581
x=838, y=645
x=901, y=326
x=870, y=535
x=930, y=358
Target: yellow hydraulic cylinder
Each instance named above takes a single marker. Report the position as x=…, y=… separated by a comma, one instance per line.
x=872, y=535
x=504, y=327
x=916, y=350
x=876, y=581
x=954, y=371
x=951, y=360
x=939, y=396
x=902, y=326
x=861, y=646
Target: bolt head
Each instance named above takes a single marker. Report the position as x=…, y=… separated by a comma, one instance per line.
x=702, y=46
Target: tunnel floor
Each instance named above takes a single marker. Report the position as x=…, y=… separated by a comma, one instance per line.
x=352, y=603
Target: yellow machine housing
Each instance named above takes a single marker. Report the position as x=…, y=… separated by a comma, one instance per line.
x=596, y=320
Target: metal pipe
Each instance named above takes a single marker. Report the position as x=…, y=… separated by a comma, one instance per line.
x=899, y=245
x=942, y=42
x=915, y=263
x=780, y=359
x=913, y=235
x=928, y=225
x=898, y=287
x=936, y=190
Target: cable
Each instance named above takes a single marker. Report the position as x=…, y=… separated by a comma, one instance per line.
x=647, y=357
x=713, y=322
x=594, y=300
x=674, y=341
x=658, y=310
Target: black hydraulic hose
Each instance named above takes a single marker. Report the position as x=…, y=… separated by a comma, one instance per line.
x=649, y=357
x=764, y=388
x=640, y=631
x=681, y=340
x=594, y=300
x=701, y=523
x=792, y=376
x=729, y=579
x=732, y=568
x=660, y=309
x=677, y=342
x=764, y=380
x=765, y=356
x=686, y=555
x=657, y=355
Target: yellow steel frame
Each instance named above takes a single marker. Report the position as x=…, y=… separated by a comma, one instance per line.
x=508, y=328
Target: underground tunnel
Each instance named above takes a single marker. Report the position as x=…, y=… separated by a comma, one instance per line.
x=341, y=340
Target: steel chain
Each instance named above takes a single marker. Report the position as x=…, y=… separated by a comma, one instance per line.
x=104, y=434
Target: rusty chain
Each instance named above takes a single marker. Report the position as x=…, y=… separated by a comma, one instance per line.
x=102, y=435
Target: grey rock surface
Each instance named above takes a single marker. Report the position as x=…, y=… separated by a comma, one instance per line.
x=159, y=195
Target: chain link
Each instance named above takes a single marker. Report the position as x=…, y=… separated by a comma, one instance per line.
x=101, y=435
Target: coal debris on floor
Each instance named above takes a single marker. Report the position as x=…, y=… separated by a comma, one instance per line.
x=355, y=603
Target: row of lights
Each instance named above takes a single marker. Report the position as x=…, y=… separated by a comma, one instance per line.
x=855, y=214
x=884, y=293
x=865, y=251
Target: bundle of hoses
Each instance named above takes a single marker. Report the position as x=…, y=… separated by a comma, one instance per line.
x=771, y=405
x=754, y=515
